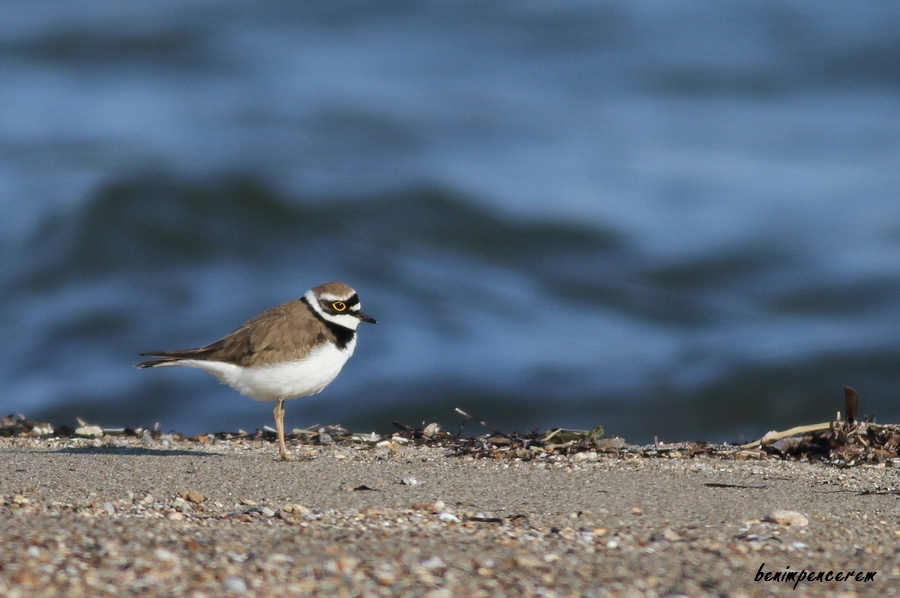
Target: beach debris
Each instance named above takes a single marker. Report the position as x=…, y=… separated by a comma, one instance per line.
x=86, y=430
x=483, y=518
x=371, y=439
x=15, y=425
x=846, y=441
x=115, y=431
x=410, y=481
x=787, y=517
x=480, y=421
x=563, y=437
x=41, y=429
x=851, y=403
x=773, y=436
x=18, y=425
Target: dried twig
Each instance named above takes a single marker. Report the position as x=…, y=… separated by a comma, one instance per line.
x=482, y=422
x=404, y=427
x=775, y=436
x=851, y=402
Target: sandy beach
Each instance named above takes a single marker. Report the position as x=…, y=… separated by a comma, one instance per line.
x=122, y=516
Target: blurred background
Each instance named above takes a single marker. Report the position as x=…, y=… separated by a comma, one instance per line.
x=673, y=219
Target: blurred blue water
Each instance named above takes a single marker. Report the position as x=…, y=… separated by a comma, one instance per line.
x=674, y=219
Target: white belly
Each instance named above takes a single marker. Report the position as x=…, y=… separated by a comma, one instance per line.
x=287, y=380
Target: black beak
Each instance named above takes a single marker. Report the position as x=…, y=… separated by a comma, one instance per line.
x=363, y=317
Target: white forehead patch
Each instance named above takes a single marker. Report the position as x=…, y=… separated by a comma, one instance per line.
x=329, y=297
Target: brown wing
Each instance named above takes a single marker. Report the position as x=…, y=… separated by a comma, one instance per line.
x=285, y=332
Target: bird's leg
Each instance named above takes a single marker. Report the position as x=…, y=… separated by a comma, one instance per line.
x=279, y=427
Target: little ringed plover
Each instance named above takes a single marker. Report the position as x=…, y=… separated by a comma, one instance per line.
x=293, y=350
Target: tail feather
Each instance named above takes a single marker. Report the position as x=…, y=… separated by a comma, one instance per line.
x=172, y=357
x=157, y=362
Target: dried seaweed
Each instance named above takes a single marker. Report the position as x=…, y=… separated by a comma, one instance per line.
x=845, y=441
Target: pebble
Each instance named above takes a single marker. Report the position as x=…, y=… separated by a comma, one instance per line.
x=296, y=509
x=191, y=496
x=347, y=564
x=528, y=562
x=385, y=574
x=279, y=558
x=433, y=563
x=786, y=517
x=448, y=517
x=409, y=481
x=235, y=584
x=671, y=535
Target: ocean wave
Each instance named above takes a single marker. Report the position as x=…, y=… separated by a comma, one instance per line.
x=151, y=222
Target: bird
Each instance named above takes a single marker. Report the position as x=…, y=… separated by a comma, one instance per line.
x=293, y=350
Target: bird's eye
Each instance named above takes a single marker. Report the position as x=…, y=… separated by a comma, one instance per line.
x=339, y=306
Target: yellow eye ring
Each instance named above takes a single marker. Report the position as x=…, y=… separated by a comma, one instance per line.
x=339, y=306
